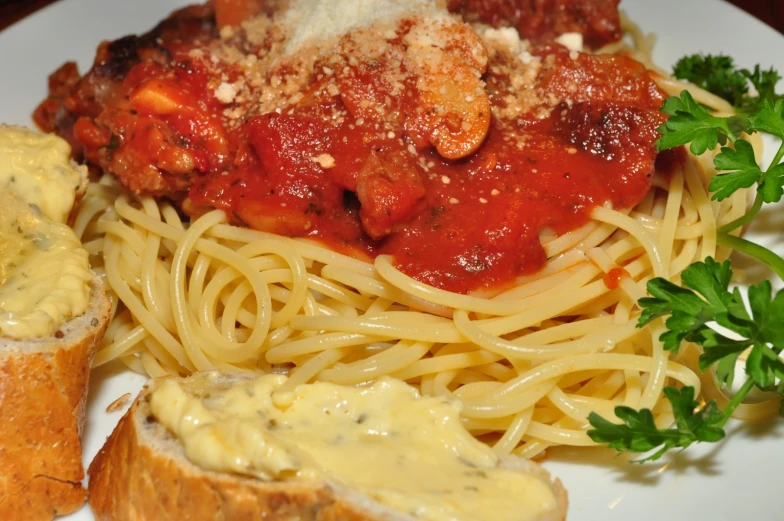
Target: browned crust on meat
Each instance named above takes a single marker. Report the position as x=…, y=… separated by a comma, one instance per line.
x=43, y=390
x=141, y=474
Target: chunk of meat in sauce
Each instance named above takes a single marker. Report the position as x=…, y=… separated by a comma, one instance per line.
x=95, y=113
x=389, y=188
x=596, y=77
x=542, y=20
x=287, y=191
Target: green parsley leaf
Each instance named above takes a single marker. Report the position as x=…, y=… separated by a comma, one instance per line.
x=711, y=280
x=769, y=118
x=703, y=422
x=667, y=297
x=768, y=312
x=689, y=314
x=766, y=335
x=722, y=352
x=765, y=84
x=743, y=172
x=763, y=366
x=705, y=298
x=639, y=433
x=691, y=123
x=716, y=74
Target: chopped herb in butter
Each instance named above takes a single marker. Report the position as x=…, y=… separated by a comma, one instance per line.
x=44, y=271
x=410, y=453
x=38, y=166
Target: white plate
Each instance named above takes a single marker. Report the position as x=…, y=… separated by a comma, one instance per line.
x=726, y=481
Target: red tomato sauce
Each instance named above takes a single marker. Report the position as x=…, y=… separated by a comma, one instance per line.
x=612, y=279
x=461, y=225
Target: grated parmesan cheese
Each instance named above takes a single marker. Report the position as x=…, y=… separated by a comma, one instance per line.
x=572, y=41
x=225, y=92
x=324, y=160
x=316, y=20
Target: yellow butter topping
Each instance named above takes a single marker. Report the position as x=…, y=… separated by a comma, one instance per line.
x=408, y=452
x=44, y=271
x=38, y=166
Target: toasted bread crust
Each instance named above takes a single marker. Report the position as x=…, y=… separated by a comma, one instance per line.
x=43, y=390
x=137, y=477
x=131, y=481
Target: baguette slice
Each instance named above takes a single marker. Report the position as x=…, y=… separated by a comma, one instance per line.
x=142, y=474
x=43, y=390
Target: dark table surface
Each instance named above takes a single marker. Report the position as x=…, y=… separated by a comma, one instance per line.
x=769, y=11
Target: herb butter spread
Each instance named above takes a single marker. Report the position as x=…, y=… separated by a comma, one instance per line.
x=38, y=166
x=44, y=271
x=408, y=452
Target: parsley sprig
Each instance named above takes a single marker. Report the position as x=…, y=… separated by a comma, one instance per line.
x=718, y=74
x=690, y=123
x=692, y=311
x=640, y=434
x=704, y=299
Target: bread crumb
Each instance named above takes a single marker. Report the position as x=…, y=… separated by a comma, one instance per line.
x=119, y=403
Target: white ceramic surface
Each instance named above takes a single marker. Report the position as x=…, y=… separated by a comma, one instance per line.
x=732, y=480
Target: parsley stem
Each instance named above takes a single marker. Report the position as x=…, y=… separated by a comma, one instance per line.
x=737, y=399
x=761, y=253
x=777, y=157
x=758, y=202
x=746, y=218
